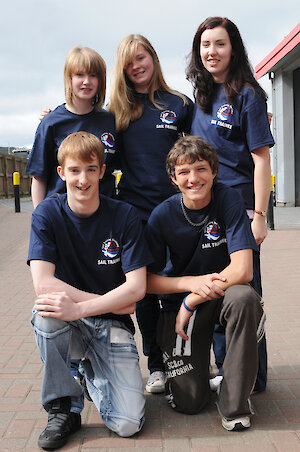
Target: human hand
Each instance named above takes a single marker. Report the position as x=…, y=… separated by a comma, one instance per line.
x=182, y=319
x=205, y=287
x=126, y=310
x=259, y=228
x=58, y=305
x=44, y=112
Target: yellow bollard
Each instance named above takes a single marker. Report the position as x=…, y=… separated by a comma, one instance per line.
x=16, y=184
x=270, y=216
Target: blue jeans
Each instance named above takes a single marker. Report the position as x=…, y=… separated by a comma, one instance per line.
x=110, y=364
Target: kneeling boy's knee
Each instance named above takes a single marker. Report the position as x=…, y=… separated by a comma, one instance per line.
x=48, y=324
x=242, y=303
x=242, y=297
x=126, y=427
x=191, y=402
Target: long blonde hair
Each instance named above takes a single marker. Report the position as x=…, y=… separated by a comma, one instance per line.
x=124, y=103
x=86, y=60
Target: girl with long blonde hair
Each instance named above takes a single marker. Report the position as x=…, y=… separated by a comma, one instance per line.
x=150, y=116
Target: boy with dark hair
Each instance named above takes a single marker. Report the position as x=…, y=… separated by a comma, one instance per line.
x=87, y=257
x=205, y=231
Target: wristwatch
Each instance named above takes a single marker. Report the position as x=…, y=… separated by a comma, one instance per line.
x=263, y=213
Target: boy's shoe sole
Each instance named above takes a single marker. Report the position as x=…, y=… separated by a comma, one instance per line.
x=236, y=425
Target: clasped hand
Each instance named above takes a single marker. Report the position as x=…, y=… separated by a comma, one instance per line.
x=205, y=287
x=58, y=305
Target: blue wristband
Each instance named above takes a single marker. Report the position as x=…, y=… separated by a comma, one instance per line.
x=186, y=307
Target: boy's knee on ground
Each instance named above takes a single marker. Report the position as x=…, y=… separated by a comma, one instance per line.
x=126, y=427
x=188, y=400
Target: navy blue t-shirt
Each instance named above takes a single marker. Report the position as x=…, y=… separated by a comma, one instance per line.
x=90, y=253
x=193, y=250
x=54, y=128
x=144, y=147
x=235, y=131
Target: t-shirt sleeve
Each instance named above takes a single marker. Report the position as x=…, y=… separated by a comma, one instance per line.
x=40, y=161
x=236, y=222
x=255, y=123
x=135, y=250
x=42, y=242
x=156, y=243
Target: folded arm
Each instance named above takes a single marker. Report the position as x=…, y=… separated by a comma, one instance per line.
x=204, y=285
x=61, y=300
x=239, y=271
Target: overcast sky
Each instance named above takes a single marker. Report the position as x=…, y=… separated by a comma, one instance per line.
x=36, y=36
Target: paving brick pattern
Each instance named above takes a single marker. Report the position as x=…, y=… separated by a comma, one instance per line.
x=275, y=427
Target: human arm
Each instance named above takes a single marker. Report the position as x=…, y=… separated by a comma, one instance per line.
x=239, y=271
x=65, y=302
x=203, y=285
x=38, y=190
x=262, y=183
x=41, y=162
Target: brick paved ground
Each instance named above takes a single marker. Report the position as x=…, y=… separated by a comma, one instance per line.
x=276, y=426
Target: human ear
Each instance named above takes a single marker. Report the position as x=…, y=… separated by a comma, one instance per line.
x=102, y=171
x=173, y=179
x=61, y=173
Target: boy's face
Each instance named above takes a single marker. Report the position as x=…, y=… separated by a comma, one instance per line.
x=82, y=181
x=195, y=181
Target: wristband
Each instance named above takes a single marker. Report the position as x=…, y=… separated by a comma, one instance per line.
x=262, y=213
x=187, y=307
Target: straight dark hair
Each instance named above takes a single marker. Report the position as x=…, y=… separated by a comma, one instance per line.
x=240, y=70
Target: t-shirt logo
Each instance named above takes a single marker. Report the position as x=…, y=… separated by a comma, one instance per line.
x=110, y=248
x=108, y=139
x=225, y=112
x=167, y=117
x=212, y=231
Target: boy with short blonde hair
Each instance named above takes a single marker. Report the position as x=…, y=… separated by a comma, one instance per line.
x=87, y=257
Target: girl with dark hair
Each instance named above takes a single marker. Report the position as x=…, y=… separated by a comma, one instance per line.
x=231, y=115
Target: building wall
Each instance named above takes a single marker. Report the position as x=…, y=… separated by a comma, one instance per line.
x=283, y=127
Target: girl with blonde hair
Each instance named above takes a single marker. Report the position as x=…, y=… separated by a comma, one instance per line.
x=150, y=116
x=85, y=88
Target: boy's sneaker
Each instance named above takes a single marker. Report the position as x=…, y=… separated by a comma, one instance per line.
x=156, y=382
x=236, y=425
x=61, y=424
x=214, y=383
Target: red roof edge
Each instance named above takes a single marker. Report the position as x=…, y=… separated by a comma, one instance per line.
x=285, y=46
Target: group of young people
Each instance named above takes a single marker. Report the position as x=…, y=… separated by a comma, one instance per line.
x=182, y=260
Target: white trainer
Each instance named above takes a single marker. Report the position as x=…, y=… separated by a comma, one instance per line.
x=156, y=382
x=237, y=424
x=214, y=383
